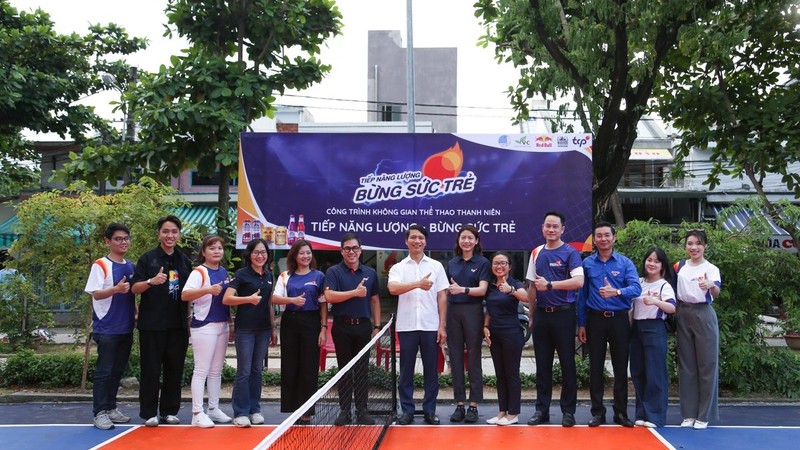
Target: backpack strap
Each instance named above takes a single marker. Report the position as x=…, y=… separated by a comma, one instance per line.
x=203, y=275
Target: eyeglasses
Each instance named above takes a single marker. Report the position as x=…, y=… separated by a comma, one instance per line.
x=351, y=249
x=500, y=263
x=121, y=239
x=260, y=253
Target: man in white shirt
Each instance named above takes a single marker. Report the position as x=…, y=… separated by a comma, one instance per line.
x=421, y=284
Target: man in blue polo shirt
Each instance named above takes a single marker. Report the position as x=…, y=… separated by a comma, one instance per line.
x=603, y=303
x=555, y=273
x=113, y=310
x=352, y=290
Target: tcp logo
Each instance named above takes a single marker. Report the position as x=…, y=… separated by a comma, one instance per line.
x=580, y=142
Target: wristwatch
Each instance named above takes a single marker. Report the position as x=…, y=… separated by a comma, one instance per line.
x=148, y=282
x=466, y=291
x=619, y=293
x=549, y=286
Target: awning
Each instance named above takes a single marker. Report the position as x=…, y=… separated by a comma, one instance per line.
x=739, y=221
x=201, y=216
x=8, y=232
x=650, y=154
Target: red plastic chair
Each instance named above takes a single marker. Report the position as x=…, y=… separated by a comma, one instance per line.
x=440, y=362
x=328, y=348
x=384, y=352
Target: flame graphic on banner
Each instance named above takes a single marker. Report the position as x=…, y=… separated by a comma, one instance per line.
x=444, y=165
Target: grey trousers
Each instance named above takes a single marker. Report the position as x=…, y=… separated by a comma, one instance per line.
x=698, y=361
x=465, y=328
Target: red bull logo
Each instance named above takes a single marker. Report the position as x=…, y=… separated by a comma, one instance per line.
x=544, y=141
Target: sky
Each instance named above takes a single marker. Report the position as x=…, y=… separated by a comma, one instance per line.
x=482, y=100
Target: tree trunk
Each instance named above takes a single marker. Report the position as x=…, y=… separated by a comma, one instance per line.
x=223, y=204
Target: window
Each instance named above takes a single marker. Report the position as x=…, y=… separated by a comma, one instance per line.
x=390, y=113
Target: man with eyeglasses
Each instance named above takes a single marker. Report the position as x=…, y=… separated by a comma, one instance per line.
x=113, y=315
x=159, y=277
x=555, y=272
x=352, y=290
x=420, y=283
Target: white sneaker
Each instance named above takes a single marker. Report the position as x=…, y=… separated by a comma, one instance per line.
x=172, y=420
x=687, y=423
x=201, y=420
x=218, y=416
x=102, y=421
x=494, y=420
x=242, y=422
x=117, y=417
x=700, y=425
x=151, y=422
x=506, y=421
x=256, y=419
x=639, y=423
x=650, y=424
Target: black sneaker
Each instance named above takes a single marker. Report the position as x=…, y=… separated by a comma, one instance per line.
x=472, y=415
x=363, y=418
x=458, y=415
x=344, y=418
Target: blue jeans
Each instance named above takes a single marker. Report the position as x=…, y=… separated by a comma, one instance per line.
x=113, y=351
x=251, y=349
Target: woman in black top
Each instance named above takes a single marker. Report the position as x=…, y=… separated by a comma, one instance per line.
x=254, y=330
x=504, y=336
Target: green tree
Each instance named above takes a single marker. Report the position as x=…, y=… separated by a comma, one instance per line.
x=241, y=54
x=43, y=74
x=734, y=84
x=62, y=235
x=605, y=55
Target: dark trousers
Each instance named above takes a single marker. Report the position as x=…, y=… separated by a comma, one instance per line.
x=555, y=332
x=649, y=370
x=349, y=339
x=161, y=352
x=614, y=331
x=425, y=343
x=506, y=352
x=299, y=358
x=465, y=329
x=113, y=351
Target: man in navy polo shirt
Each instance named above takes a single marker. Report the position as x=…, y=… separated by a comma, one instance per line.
x=352, y=290
x=612, y=282
x=555, y=273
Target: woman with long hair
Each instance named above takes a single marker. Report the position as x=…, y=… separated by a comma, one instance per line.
x=648, y=339
x=699, y=282
x=254, y=330
x=303, y=327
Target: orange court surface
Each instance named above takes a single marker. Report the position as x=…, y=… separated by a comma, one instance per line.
x=416, y=437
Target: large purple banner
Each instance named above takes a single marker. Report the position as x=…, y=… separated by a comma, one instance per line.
x=321, y=186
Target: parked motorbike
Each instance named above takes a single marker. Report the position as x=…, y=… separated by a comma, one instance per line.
x=522, y=314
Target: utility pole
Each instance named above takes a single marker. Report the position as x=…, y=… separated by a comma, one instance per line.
x=410, y=101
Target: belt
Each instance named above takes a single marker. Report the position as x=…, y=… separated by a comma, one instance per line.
x=552, y=309
x=350, y=320
x=608, y=313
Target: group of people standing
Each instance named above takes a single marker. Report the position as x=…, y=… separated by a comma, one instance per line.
x=612, y=305
x=473, y=299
